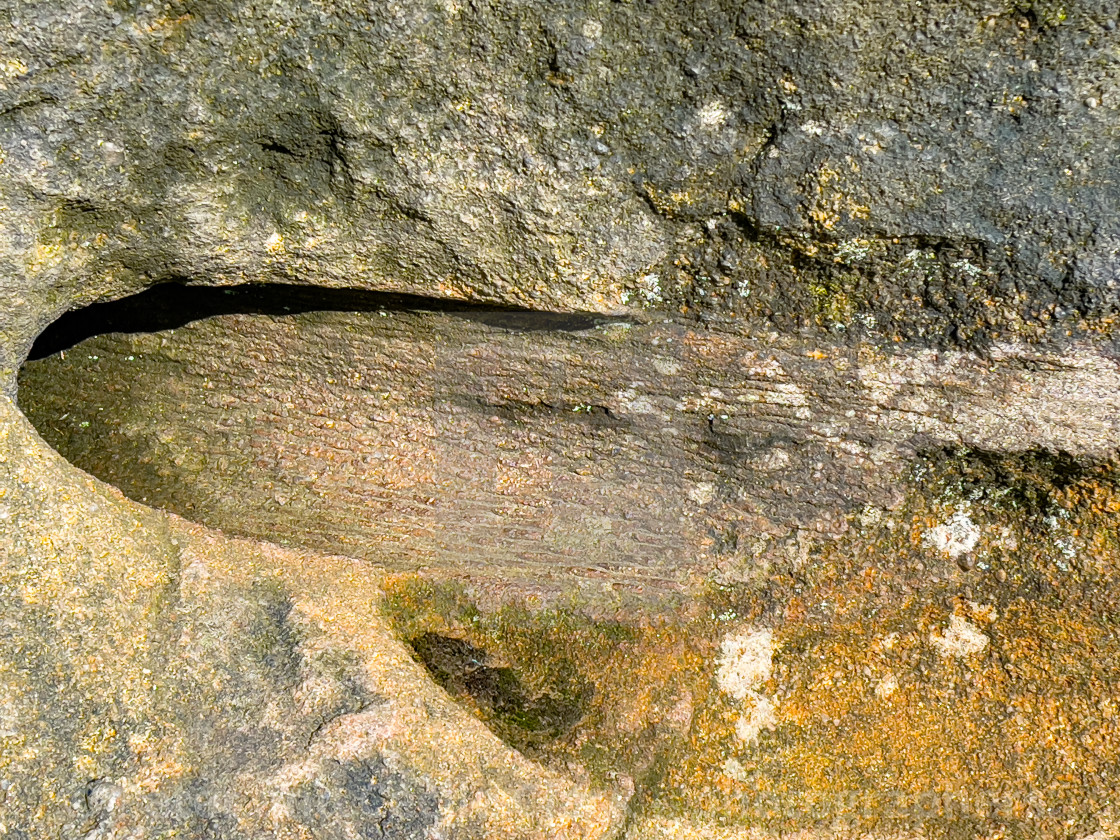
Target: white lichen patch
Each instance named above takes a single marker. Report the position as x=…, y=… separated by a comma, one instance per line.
x=967, y=268
x=649, y=287
x=962, y=638
x=761, y=716
x=853, y=251
x=702, y=492
x=870, y=516
x=918, y=256
x=745, y=662
x=956, y=537
x=713, y=115
x=632, y=402
x=887, y=686
x=733, y=769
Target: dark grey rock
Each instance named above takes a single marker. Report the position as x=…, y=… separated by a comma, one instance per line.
x=442, y=149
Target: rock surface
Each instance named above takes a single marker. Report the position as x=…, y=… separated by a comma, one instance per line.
x=943, y=172
x=222, y=696
x=429, y=439
x=753, y=575
x=880, y=239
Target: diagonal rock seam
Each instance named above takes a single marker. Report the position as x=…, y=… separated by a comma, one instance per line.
x=391, y=407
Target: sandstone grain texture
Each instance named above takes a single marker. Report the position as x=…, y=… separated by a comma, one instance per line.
x=614, y=452
x=881, y=240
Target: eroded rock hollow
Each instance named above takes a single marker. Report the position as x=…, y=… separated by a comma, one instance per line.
x=592, y=420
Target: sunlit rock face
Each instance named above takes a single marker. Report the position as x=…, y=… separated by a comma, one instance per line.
x=796, y=574
x=765, y=487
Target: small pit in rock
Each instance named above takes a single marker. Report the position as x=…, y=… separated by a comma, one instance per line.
x=519, y=716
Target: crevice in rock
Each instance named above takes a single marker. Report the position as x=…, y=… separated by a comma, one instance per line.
x=174, y=304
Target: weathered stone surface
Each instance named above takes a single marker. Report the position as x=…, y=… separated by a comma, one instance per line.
x=225, y=687
x=783, y=581
x=411, y=438
x=943, y=172
x=821, y=619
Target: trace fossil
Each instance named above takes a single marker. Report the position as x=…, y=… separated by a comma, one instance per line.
x=755, y=559
x=418, y=438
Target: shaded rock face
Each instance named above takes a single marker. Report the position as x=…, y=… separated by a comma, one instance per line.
x=667, y=515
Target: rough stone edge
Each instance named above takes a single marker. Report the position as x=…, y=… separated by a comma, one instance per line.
x=490, y=790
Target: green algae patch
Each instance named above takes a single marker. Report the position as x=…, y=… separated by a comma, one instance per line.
x=608, y=696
